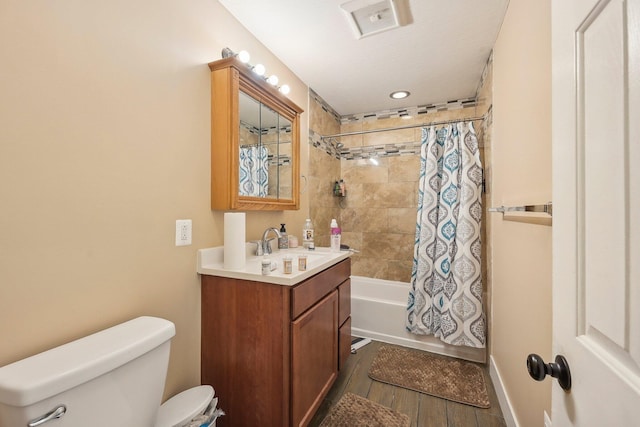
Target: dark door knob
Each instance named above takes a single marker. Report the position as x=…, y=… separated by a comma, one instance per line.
x=560, y=370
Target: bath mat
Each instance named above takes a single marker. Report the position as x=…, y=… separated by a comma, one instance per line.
x=438, y=376
x=356, y=411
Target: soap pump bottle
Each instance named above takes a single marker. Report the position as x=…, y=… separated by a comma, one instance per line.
x=335, y=236
x=283, y=240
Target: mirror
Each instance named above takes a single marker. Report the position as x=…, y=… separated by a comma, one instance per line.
x=265, y=151
x=255, y=142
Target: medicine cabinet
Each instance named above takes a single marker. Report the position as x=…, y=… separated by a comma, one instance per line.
x=255, y=141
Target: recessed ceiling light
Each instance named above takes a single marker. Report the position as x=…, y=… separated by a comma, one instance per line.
x=399, y=94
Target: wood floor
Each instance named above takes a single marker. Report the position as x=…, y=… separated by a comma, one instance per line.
x=422, y=409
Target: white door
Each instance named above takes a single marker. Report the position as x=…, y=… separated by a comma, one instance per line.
x=596, y=203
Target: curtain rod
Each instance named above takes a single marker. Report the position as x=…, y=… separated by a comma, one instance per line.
x=444, y=122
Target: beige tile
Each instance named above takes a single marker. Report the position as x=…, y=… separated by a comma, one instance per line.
x=390, y=195
x=368, y=267
x=361, y=171
x=402, y=220
x=354, y=198
x=399, y=270
x=364, y=220
x=351, y=141
x=404, y=168
x=322, y=164
x=387, y=246
x=352, y=238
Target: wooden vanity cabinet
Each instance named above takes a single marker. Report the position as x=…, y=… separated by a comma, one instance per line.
x=272, y=352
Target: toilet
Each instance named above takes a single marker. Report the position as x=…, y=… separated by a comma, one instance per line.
x=114, y=377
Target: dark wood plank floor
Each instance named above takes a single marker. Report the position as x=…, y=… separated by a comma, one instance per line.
x=422, y=409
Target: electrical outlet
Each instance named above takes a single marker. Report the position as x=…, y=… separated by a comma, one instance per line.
x=183, y=232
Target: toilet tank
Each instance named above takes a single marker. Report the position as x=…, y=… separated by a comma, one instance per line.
x=114, y=377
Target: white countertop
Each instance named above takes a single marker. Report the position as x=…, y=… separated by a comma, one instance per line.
x=211, y=263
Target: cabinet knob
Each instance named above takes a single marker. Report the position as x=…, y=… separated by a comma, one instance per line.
x=538, y=370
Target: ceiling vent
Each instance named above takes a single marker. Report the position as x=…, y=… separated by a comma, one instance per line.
x=368, y=17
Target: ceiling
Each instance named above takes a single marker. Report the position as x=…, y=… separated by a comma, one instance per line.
x=438, y=57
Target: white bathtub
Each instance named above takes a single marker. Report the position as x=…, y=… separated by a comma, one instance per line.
x=378, y=310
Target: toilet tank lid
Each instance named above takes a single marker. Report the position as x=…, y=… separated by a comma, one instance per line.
x=54, y=371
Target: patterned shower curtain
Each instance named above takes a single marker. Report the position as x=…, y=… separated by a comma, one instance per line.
x=445, y=299
x=254, y=171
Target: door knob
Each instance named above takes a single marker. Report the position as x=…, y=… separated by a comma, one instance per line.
x=560, y=370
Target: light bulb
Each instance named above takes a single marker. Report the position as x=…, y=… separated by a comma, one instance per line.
x=244, y=56
x=259, y=69
x=273, y=79
x=285, y=89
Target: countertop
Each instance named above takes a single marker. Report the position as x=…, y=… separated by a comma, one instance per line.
x=211, y=263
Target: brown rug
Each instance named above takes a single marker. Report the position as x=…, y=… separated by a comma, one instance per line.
x=439, y=376
x=356, y=411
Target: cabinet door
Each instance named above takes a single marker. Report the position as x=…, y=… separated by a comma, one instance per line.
x=314, y=357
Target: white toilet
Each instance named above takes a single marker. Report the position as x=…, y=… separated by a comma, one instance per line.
x=114, y=377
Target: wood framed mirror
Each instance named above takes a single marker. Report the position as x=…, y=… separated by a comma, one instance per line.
x=255, y=141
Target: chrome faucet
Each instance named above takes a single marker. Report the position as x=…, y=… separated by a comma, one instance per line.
x=265, y=243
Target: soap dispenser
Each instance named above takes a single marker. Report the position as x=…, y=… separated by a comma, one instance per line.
x=283, y=240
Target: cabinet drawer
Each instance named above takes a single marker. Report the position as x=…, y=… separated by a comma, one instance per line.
x=307, y=293
x=344, y=303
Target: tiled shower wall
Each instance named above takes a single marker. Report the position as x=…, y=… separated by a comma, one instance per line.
x=380, y=170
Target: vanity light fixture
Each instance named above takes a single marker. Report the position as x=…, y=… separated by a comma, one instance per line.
x=399, y=94
x=259, y=69
x=244, y=56
x=285, y=89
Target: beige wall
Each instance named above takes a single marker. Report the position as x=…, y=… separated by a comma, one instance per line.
x=521, y=173
x=324, y=170
x=104, y=143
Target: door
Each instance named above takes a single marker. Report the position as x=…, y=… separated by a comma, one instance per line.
x=596, y=206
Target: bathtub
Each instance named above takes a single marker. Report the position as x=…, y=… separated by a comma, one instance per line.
x=378, y=311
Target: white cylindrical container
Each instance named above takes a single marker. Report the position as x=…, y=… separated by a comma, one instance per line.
x=234, y=241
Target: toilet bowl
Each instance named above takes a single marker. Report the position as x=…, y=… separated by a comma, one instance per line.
x=114, y=377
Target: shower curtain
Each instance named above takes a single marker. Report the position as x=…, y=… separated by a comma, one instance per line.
x=254, y=171
x=445, y=299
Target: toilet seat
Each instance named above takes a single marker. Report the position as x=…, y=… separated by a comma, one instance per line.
x=183, y=407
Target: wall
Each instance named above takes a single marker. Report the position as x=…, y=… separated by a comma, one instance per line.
x=520, y=172
x=324, y=170
x=104, y=143
x=378, y=215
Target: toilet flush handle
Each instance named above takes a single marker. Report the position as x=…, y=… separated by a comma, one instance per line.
x=51, y=415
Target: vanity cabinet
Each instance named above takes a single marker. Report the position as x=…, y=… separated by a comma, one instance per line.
x=272, y=352
x=255, y=141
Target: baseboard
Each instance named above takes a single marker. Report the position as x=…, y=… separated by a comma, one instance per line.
x=503, y=399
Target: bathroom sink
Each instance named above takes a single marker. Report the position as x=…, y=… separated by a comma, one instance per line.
x=210, y=262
